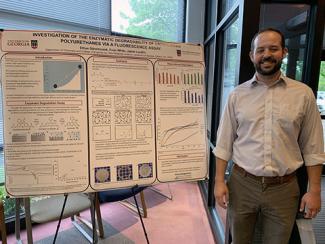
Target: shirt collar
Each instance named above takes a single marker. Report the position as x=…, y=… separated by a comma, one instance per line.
x=254, y=82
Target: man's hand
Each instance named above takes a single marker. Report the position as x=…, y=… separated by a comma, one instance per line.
x=311, y=201
x=311, y=204
x=221, y=194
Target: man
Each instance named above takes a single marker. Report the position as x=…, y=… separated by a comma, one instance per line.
x=270, y=127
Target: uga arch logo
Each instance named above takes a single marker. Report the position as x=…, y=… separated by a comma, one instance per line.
x=34, y=44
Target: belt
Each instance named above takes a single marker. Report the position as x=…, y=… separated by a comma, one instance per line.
x=272, y=180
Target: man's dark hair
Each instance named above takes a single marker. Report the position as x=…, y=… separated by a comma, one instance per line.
x=266, y=30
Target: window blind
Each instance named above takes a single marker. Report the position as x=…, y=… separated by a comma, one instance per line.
x=88, y=16
x=77, y=15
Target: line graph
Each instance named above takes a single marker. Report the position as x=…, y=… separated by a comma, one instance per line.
x=37, y=173
x=179, y=134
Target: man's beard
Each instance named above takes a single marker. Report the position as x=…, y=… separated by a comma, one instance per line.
x=275, y=69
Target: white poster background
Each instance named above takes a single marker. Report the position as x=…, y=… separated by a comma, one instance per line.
x=88, y=112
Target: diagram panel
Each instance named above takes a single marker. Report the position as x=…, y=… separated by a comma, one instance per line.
x=122, y=124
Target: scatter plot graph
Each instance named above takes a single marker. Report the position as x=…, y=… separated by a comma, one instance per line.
x=102, y=174
x=63, y=76
x=124, y=172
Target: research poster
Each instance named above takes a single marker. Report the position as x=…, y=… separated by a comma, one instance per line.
x=87, y=112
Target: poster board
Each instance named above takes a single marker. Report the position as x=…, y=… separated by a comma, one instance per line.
x=87, y=112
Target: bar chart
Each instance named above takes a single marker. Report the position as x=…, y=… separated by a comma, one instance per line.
x=192, y=97
x=168, y=78
x=193, y=79
x=177, y=73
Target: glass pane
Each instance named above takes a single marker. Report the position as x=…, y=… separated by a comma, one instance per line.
x=2, y=174
x=229, y=64
x=292, y=21
x=211, y=17
x=321, y=89
x=226, y=6
x=210, y=61
x=230, y=51
x=163, y=20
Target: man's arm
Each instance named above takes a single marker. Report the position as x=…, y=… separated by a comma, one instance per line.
x=220, y=188
x=311, y=201
x=311, y=142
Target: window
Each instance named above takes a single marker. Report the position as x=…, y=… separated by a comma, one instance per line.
x=162, y=20
x=209, y=62
x=87, y=16
x=229, y=61
x=226, y=5
x=321, y=89
x=293, y=25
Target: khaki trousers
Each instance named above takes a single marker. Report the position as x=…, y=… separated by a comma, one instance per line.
x=277, y=205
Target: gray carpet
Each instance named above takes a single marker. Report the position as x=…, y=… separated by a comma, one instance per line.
x=72, y=235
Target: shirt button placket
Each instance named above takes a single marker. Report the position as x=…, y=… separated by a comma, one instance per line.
x=268, y=127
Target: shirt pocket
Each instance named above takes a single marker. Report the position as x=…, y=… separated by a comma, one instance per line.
x=290, y=116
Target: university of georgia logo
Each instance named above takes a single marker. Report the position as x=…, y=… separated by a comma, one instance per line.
x=34, y=44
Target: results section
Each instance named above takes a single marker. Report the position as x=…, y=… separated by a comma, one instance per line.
x=181, y=131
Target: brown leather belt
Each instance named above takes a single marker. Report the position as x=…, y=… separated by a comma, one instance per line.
x=272, y=180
